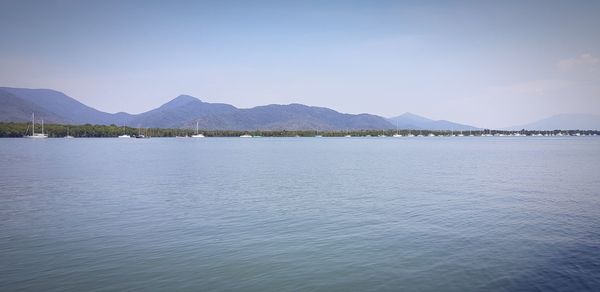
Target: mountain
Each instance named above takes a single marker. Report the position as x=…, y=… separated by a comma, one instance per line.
x=416, y=122
x=53, y=107
x=183, y=111
x=564, y=121
x=15, y=109
x=294, y=117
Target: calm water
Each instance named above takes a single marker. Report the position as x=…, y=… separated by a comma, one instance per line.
x=290, y=214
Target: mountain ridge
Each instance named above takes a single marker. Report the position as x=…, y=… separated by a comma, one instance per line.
x=571, y=121
x=181, y=112
x=415, y=122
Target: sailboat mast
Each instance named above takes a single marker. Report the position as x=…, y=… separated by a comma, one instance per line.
x=42, y=127
x=196, y=127
x=33, y=124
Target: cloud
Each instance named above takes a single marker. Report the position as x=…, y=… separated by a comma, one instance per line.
x=582, y=62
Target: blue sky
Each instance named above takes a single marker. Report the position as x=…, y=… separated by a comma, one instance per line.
x=487, y=63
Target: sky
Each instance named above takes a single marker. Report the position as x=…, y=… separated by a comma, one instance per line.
x=485, y=63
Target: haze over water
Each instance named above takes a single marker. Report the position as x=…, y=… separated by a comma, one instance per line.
x=289, y=214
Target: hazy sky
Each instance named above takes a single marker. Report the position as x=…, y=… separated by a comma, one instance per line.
x=487, y=63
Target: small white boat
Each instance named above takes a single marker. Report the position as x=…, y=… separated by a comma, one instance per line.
x=197, y=135
x=246, y=136
x=124, y=136
x=35, y=135
x=318, y=136
x=347, y=136
x=431, y=135
x=396, y=135
x=68, y=136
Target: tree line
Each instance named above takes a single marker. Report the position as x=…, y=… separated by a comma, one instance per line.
x=97, y=131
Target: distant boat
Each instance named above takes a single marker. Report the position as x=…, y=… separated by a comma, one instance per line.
x=397, y=135
x=124, y=135
x=140, y=135
x=33, y=134
x=431, y=135
x=68, y=136
x=348, y=136
x=198, y=135
x=410, y=134
x=246, y=136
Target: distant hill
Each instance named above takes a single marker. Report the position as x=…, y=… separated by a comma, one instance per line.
x=184, y=111
x=53, y=107
x=564, y=121
x=416, y=122
x=15, y=109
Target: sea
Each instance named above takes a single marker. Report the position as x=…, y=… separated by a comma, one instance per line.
x=300, y=214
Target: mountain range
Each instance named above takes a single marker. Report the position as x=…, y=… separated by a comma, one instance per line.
x=17, y=104
x=415, y=122
x=564, y=121
x=184, y=111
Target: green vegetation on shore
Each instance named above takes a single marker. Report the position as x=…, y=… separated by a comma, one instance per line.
x=91, y=131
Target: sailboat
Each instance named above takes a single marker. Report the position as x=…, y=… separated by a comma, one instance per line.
x=397, y=135
x=198, y=135
x=68, y=136
x=33, y=134
x=124, y=136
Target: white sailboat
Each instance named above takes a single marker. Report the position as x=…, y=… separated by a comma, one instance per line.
x=246, y=136
x=198, y=135
x=33, y=134
x=68, y=136
x=397, y=135
x=124, y=136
